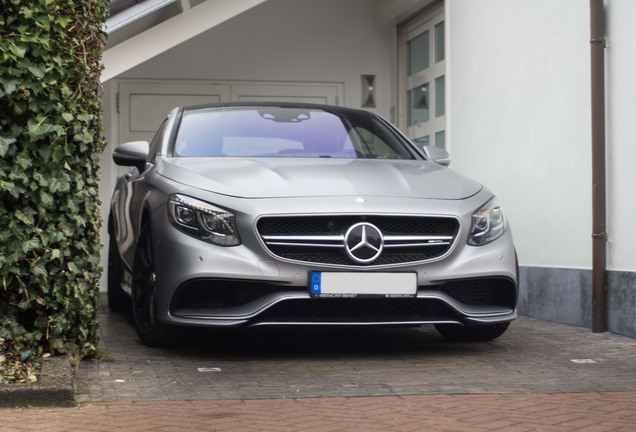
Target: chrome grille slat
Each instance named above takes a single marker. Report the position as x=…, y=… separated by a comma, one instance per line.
x=325, y=245
x=307, y=238
x=398, y=245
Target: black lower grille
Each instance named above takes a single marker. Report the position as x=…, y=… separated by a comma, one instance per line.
x=367, y=310
x=482, y=292
x=219, y=293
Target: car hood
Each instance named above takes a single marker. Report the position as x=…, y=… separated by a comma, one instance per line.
x=303, y=177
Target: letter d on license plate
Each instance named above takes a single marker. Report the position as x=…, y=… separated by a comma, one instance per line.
x=351, y=284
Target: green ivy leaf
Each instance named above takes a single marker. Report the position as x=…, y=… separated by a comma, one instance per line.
x=64, y=20
x=27, y=219
x=4, y=144
x=55, y=254
x=30, y=244
x=23, y=161
x=72, y=267
x=59, y=184
x=10, y=85
x=56, y=343
x=38, y=127
x=38, y=71
x=45, y=199
x=39, y=270
x=18, y=49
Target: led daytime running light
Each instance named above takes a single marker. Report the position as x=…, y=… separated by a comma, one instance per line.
x=487, y=224
x=203, y=220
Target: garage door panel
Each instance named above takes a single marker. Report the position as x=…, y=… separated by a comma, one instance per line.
x=148, y=110
x=321, y=93
x=299, y=99
x=143, y=105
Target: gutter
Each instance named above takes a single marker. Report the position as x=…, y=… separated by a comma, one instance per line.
x=599, y=230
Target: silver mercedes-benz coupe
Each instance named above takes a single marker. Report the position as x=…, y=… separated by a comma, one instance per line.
x=294, y=214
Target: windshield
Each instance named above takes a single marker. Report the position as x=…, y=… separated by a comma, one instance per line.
x=284, y=132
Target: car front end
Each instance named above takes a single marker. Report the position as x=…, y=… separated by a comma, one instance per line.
x=265, y=276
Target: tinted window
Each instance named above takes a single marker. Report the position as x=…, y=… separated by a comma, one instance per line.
x=284, y=132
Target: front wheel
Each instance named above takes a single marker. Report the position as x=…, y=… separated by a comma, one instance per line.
x=479, y=333
x=144, y=298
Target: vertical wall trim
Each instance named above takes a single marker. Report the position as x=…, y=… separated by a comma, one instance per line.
x=599, y=231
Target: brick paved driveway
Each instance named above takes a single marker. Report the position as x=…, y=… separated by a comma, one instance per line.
x=539, y=376
x=584, y=412
x=532, y=357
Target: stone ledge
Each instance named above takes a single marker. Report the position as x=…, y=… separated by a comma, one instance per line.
x=55, y=388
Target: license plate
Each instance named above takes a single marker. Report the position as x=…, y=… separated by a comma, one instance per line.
x=353, y=284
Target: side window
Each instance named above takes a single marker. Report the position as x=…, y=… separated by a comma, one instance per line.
x=156, y=141
x=374, y=146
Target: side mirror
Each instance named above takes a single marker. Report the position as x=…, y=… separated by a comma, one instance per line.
x=437, y=155
x=132, y=154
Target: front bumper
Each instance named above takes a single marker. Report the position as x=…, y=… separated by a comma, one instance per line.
x=239, y=302
x=200, y=284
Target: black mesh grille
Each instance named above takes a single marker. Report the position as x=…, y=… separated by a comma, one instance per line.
x=482, y=292
x=358, y=310
x=320, y=225
x=218, y=293
x=338, y=225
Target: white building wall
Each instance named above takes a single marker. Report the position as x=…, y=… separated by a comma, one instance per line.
x=519, y=118
x=621, y=133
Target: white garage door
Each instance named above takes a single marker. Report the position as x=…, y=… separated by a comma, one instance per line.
x=142, y=105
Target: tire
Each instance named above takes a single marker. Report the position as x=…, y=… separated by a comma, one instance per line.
x=118, y=300
x=144, y=301
x=479, y=333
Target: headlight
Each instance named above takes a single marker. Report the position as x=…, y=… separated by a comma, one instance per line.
x=488, y=224
x=203, y=220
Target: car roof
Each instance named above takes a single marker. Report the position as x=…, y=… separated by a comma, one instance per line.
x=295, y=105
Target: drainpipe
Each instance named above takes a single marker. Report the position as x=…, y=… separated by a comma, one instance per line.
x=599, y=232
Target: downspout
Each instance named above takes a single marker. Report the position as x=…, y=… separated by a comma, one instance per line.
x=599, y=232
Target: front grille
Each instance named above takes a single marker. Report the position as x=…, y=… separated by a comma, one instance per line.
x=360, y=310
x=320, y=239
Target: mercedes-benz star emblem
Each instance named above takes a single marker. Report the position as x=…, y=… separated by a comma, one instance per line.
x=364, y=242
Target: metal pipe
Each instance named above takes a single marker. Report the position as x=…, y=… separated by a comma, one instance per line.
x=599, y=232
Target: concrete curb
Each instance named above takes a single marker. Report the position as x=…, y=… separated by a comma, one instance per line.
x=55, y=388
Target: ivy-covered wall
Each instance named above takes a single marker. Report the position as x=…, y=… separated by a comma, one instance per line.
x=50, y=145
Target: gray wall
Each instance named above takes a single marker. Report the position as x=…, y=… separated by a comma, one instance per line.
x=565, y=295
